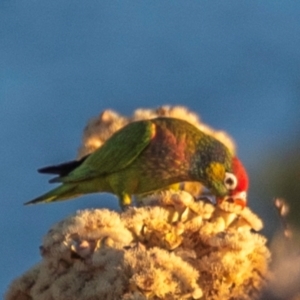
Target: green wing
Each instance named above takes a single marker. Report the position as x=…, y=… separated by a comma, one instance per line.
x=116, y=153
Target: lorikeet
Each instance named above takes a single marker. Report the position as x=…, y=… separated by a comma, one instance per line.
x=147, y=156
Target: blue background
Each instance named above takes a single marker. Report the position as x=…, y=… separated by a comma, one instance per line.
x=236, y=63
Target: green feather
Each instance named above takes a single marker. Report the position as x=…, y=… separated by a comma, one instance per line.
x=143, y=157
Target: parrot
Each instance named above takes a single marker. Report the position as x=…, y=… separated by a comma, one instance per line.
x=147, y=156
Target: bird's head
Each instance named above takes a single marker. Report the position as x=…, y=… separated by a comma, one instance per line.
x=229, y=186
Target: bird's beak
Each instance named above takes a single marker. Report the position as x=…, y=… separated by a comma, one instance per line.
x=239, y=198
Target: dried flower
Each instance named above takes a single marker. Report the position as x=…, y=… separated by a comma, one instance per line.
x=285, y=266
x=99, y=129
x=174, y=248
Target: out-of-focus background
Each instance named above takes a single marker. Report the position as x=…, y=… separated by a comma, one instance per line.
x=235, y=63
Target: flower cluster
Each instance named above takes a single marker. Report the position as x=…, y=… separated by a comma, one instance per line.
x=285, y=266
x=100, y=128
x=172, y=248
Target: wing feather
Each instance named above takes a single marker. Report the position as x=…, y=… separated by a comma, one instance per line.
x=116, y=153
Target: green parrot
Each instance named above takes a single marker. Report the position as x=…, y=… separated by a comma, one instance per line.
x=146, y=156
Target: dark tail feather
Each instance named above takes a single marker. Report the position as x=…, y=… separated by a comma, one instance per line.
x=63, y=169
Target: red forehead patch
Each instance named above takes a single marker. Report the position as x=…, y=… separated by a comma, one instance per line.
x=241, y=174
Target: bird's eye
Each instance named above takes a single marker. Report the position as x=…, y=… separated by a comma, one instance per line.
x=230, y=181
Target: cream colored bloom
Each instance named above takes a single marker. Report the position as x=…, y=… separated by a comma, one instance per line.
x=174, y=248
x=100, y=128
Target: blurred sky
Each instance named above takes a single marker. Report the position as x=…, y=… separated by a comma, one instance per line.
x=236, y=63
